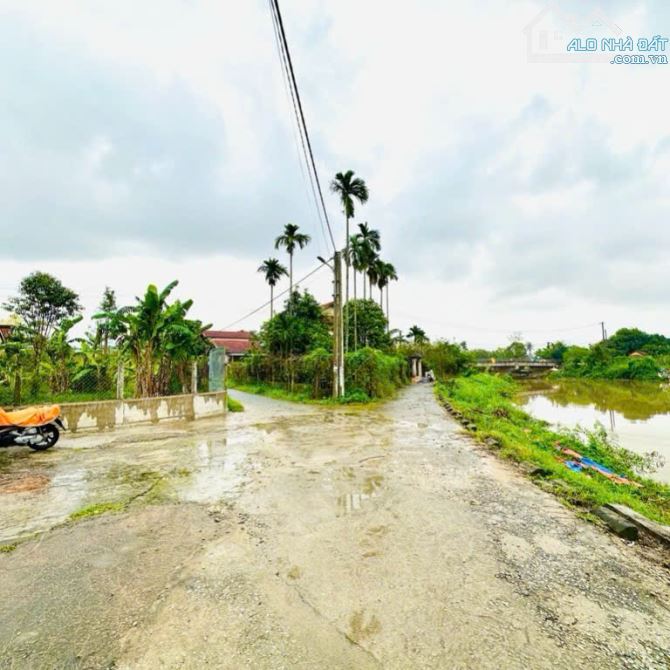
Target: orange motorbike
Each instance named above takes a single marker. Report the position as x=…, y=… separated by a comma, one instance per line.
x=35, y=427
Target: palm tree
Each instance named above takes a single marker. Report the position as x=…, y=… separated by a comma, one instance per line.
x=291, y=239
x=355, y=256
x=349, y=188
x=371, y=246
x=417, y=334
x=388, y=274
x=373, y=270
x=273, y=271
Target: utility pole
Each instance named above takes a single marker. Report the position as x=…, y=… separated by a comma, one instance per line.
x=338, y=328
x=604, y=332
x=338, y=324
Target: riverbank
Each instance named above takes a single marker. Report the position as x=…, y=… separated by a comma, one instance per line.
x=486, y=403
x=636, y=415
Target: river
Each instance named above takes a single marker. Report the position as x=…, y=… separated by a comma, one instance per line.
x=636, y=414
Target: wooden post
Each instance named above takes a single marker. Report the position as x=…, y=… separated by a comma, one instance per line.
x=119, y=379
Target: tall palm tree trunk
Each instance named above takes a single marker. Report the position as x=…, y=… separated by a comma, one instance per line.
x=346, y=293
x=290, y=275
x=272, y=300
x=365, y=292
x=388, y=318
x=355, y=315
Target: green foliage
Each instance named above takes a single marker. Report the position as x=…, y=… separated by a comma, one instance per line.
x=445, y=358
x=374, y=373
x=418, y=335
x=156, y=336
x=371, y=325
x=349, y=188
x=97, y=509
x=273, y=271
x=627, y=340
x=42, y=303
x=104, y=330
x=234, y=405
x=370, y=374
x=300, y=328
x=554, y=351
x=487, y=401
x=159, y=338
x=317, y=368
x=598, y=361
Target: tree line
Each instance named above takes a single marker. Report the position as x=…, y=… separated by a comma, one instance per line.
x=41, y=359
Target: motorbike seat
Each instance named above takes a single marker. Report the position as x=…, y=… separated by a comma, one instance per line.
x=31, y=416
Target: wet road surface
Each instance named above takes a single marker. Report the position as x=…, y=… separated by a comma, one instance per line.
x=306, y=537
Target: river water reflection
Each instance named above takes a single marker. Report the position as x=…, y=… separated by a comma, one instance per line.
x=637, y=414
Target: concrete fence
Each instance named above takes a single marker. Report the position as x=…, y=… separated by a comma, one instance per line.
x=107, y=414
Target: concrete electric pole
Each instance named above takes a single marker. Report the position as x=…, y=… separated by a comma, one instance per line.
x=338, y=325
x=338, y=328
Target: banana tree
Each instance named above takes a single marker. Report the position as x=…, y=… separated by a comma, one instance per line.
x=158, y=338
x=60, y=353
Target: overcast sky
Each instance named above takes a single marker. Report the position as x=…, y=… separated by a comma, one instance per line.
x=147, y=141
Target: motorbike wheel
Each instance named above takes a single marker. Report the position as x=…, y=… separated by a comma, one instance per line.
x=50, y=436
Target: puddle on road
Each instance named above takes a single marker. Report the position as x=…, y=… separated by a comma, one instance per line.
x=218, y=470
x=28, y=512
x=352, y=502
x=188, y=469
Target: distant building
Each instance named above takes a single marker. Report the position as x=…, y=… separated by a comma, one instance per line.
x=7, y=324
x=328, y=309
x=237, y=343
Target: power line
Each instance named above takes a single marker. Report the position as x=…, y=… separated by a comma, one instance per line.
x=290, y=97
x=499, y=330
x=282, y=33
x=279, y=295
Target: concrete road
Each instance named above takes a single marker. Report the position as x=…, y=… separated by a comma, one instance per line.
x=306, y=537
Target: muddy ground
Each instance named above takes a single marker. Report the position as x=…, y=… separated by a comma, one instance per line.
x=307, y=537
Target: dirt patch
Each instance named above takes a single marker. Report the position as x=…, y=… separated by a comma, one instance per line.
x=22, y=482
x=69, y=597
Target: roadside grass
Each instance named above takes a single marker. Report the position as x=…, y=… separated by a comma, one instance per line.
x=300, y=395
x=7, y=548
x=234, y=405
x=155, y=490
x=487, y=402
x=97, y=509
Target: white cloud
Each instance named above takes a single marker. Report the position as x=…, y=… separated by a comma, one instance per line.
x=505, y=191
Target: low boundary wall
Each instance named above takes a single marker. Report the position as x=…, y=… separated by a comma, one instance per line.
x=107, y=414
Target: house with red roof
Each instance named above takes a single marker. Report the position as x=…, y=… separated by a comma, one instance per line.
x=236, y=342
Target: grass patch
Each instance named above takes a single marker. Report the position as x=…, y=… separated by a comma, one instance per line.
x=487, y=401
x=277, y=392
x=97, y=509
x=234, y=405
x=7, y=548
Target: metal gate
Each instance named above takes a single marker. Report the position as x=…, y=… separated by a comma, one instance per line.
x=217, y=369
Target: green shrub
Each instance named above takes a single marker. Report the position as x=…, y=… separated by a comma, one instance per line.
x=234, y=405
x=374, y=373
